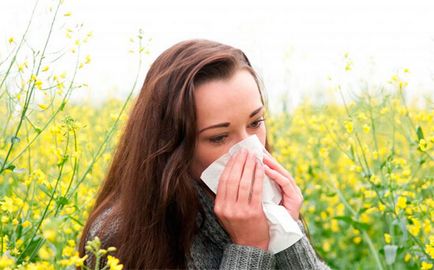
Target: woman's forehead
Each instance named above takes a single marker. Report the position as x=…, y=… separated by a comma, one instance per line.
x=218, y=100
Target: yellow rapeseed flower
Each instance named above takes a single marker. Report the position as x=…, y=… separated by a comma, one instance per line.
x=375, y=179
x=6, y=262
x=348, y=126
x=427, y=226
x=26, y=224
x=50, y=234
x=430, y=250
x=387, y=238
x=68, y=251
x=401, y=202
x=426, y=266
x=42, y=106
x=38, y=84
x=113, y=263
x=366, y=128
x=87, y=59
x=414, y=228
x=357, y=240
x=326, y=246
x=45, y=253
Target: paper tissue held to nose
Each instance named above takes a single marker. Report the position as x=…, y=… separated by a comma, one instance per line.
x=284, y=231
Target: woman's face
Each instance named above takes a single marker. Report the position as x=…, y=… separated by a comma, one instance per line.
x=228, y=111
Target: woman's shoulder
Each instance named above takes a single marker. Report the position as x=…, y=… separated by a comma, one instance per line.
x=100, y=223
x=105, y=226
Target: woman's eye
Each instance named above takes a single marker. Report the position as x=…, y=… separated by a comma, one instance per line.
x=218, y=139
x=257, y=123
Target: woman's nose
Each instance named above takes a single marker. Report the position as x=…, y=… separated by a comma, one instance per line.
x=243, y=135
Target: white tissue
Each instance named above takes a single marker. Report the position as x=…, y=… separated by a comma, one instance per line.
x=284, y=231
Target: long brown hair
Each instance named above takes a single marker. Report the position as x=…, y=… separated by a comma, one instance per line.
x=149, y=180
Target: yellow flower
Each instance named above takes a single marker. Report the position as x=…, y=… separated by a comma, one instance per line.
x=375, y=179
x=5, y=219
x=50, y=235
x=6, y=262
x=87, y=59
x=407, y=257
x=357, y=240
x=424, y=145
x=401, y=203
x=381, y=207
x=38, y=84
x=430, y=250
x=79, y=261
x=113, y=263
x=334, y=225
x=326, y=246
x=11, y=204
x=387, y=238
x=44, y=69
x=414, y=228
x=26, y=224
x=45, y=253
x=67, y=14
x=348, y=126
x=366, y=128
x=11, y=40
x=369, y=194
x=426, y=266
x=68, y=251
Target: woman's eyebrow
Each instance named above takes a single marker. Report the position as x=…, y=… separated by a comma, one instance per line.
x=226, y=124
x=256, y=111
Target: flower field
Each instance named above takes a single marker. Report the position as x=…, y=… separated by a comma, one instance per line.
x=365, y=166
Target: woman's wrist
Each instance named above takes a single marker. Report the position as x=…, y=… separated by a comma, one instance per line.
x=261, y=245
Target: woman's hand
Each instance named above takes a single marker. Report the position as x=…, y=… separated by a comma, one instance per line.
x=238, y=202
x=292, y=198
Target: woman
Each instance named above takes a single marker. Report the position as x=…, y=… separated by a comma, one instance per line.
x=199, y=98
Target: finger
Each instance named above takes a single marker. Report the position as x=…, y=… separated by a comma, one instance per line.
x=246, y=179
x=221, y=187
x=273, y=164
x=284, y=183
x=235, y=176
x=256, y=199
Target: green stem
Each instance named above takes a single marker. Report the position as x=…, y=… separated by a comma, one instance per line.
x=62, y=165
x=31, y=88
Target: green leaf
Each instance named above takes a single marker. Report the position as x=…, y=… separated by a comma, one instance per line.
x=62, y=201
x=10, y=167
x=419, y=133
x=34, y=247
x=62, y=106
